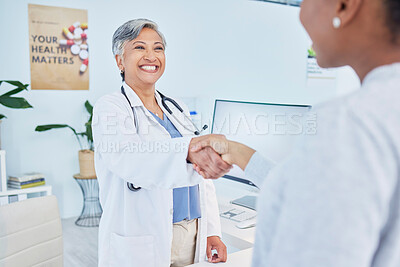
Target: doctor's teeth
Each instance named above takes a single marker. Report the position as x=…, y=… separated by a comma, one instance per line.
x=148, y=67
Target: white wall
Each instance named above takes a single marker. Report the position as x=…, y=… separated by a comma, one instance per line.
x=230, y=49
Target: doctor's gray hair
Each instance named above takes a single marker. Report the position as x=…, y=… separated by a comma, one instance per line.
x=129, y=31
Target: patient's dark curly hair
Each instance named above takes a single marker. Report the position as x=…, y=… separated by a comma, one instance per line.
x=392, y=8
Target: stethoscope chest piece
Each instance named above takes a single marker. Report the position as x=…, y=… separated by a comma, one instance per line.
x=132, y=187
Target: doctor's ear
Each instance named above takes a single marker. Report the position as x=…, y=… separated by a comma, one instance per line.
x=118, y=59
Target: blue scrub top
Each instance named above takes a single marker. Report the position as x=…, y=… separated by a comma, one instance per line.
x=186, y=199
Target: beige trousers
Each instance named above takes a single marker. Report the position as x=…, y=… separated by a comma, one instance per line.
x=183, y=243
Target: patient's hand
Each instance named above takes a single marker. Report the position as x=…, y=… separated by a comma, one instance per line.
x=230, y=151
x=208, y=163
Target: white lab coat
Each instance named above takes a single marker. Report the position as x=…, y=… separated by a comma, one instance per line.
x=136, y=227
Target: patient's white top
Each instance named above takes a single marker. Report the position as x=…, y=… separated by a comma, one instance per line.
x=336, y=200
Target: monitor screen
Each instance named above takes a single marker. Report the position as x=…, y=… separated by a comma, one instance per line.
x=271, y=129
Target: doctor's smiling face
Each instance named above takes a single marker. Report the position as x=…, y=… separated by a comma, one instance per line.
x=143, y=59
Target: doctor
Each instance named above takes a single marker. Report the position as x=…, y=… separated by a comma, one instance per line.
x=157, y=211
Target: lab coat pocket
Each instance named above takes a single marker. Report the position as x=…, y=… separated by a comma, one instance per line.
x=132, y=251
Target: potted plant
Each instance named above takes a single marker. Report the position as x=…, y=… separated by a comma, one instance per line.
x=10, y=101
x=86, y=156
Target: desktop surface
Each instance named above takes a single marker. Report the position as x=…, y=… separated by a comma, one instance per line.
x=226, y=191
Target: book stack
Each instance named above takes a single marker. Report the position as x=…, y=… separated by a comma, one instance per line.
x=26, y=180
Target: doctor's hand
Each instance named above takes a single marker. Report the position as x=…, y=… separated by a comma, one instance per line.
x=209, y=163
x=230, y=151
x=214, y=242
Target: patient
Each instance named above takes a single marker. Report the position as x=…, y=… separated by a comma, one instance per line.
x=335, y=201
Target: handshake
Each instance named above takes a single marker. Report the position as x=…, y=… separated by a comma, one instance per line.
x=213, y=155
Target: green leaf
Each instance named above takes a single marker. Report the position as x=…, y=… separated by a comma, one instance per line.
x=16, y=83
x=89, y=107
x=311, y=52
x=46, y=127
x=14, y=102
x=89, y=133
x=2, y=116
x=89, y=122
x=13, y=92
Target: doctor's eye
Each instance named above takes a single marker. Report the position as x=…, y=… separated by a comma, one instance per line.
x=159, y=48
x=139, y=47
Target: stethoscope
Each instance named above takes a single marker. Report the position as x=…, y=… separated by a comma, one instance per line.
x=164, y=100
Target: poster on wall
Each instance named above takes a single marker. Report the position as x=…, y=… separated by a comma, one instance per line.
x=58, y=46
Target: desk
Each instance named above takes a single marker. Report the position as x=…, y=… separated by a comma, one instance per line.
x=226, y=191
x=91, y=210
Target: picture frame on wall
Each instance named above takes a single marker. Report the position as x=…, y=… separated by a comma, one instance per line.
x=58, y=47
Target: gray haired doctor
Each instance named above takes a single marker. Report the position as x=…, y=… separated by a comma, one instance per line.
x=157, y=210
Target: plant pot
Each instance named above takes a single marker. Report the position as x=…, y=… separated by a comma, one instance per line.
x=86, y=163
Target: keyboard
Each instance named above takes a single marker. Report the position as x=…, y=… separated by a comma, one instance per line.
x=237, y=214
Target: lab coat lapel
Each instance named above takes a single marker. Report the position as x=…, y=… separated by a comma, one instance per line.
x=136, y=104
x=132, y=96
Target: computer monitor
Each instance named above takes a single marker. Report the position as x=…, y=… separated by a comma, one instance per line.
x=271, y=129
